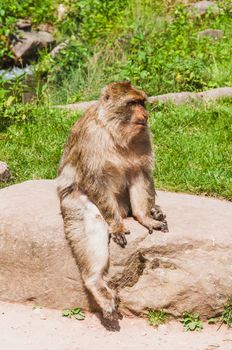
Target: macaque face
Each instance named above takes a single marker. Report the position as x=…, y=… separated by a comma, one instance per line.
x=136, y=112
x=126, y=104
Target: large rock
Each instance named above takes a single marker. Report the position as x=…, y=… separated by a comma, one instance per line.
x=4, y=172
x=211, y=33
x=24, y=23
x=189, y=268
x=177, y=98
x=58, y=48
x=201, y=8
x=28, y=43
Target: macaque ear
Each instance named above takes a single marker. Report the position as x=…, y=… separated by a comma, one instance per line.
x=105, y=94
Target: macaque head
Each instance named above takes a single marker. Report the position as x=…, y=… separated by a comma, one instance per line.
x=124, y=103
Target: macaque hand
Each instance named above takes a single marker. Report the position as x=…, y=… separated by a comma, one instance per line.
x=118, y=232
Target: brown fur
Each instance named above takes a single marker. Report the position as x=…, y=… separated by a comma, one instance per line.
x=108, y=158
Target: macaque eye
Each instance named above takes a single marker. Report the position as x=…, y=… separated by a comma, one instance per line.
x=136, y=102
x=106, y=97
x=132, y=103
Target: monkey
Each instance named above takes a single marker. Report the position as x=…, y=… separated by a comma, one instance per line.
x=105, y=174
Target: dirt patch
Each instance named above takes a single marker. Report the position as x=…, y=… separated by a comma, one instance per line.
x=42, y=329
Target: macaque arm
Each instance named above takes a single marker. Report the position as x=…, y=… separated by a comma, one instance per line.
x=107, y=203
x=142, y=200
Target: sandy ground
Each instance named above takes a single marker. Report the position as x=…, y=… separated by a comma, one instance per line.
x=22, y=328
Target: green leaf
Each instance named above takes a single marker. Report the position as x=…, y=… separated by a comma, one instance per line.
x=9, y=101
x=80, y=316
x=66, y=313
x=192, y=326
x=2, y=93
x=76, y=310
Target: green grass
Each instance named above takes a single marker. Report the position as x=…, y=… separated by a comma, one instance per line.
x=193, y=148
x=192, y=145
x=227, y=313
x=33, y=149
x=155, y=45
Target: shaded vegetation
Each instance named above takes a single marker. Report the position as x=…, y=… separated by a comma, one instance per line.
x=227, y=313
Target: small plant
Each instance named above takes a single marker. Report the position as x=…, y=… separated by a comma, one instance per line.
x=225, y=317
x=227, y=313
x=156, y=317
x=191, y=321
x=35, y=307
x=77, y=313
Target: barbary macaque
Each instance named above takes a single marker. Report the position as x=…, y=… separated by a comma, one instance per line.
x=105, y=174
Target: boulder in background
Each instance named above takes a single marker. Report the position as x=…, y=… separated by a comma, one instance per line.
x=4, y=172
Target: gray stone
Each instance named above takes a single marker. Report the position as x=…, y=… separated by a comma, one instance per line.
x=29, y=42
x=187, y=269
x=58, y=48
x=62, y=10
x=201, y=8
x=45, y=27
x=173, y=97
x=23, y=23
x=190, y=97
x=212, y=33
x=4, y=172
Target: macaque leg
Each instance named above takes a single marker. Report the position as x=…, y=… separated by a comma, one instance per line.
x=87, y=233
x=141, y=198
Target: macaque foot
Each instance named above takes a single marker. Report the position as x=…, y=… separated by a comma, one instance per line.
x=157, y=213
x=162, y=226
x=111, y=316
x=109, y=310
x=165, y=226
x=119, y=238
x=152, y=225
